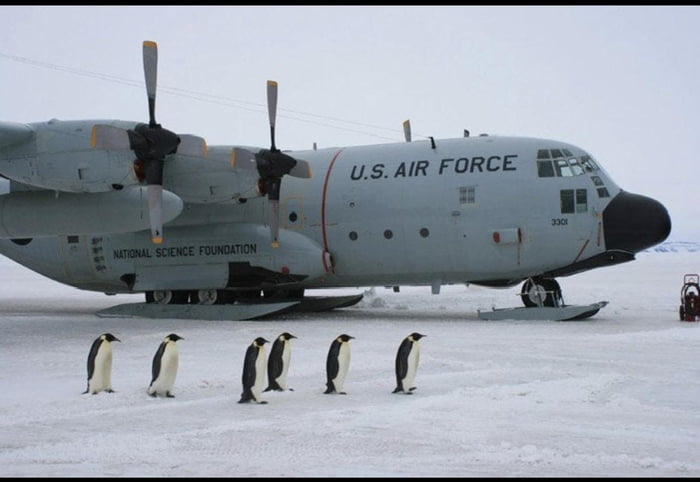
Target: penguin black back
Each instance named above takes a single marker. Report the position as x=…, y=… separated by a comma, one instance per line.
x=407, y=358
x=337, y=365
x=253, y=371
x=278, y=362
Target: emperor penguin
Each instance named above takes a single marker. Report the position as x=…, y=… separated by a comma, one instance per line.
x=278, y=363
x=254, y=371
x=164, y=368
x=99, y=364
x=337, y=364
x=407, y=359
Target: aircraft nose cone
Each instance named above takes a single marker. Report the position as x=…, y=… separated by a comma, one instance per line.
x=632, y=222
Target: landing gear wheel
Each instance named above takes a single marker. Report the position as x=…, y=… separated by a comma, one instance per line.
x=546, y=290
x=206, y=297
x=167, y=297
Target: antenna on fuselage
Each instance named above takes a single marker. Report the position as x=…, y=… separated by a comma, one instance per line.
x=466, y=133
x=407, y=130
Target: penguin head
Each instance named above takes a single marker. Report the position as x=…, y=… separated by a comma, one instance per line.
x=286, y=336
x=109, y=337
x=416, y=336
x=259, y=341
x=173, y=337
x=345, y=338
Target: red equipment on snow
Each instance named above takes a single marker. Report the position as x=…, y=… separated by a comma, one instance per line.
x=690, y=298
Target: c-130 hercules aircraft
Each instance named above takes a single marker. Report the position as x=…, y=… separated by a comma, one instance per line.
x=127, y=207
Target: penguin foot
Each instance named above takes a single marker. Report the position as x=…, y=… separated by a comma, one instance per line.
x=397, y=390
x=154, y=394
x=169, y=395
x=244, y=400
x=411, y=389
x=290, y=389
x=109, y=390
x=262, y=402
x=342, y=393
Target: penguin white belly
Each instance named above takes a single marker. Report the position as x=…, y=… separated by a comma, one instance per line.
x=343, y=365
x=260, y=364
x=165, y=381
x=286, y=355
x=412, y=367
x=102, y=376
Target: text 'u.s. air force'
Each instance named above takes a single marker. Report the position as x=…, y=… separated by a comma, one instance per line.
x=460, y=165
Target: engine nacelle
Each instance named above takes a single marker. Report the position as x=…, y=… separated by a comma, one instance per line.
x=58, y=155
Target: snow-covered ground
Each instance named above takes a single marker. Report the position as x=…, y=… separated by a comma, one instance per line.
x=615, y=395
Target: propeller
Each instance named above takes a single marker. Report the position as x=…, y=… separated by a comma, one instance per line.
x=272, y=164
x=151, y=144
x=407, y=130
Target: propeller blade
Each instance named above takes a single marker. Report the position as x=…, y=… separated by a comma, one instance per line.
x=302, y=169
x=155, y=212
x=407, y=130
x=150, y=70
x=273, y=195
x=274, y=222
x=272, y=109
x=110, y=138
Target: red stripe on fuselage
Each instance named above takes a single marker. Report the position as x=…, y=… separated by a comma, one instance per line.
x=323, y=208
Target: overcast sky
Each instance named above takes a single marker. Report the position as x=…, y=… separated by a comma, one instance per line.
x=619, y=82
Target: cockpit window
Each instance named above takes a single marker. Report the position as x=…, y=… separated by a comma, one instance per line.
x=588, y=163
x=562, y=168
x=562, y=163
x=576, y=168
x=545, y=169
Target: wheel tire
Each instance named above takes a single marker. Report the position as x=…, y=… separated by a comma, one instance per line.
x=169, y=297
x=206, y=297
x=548, y=289
x=162, y=297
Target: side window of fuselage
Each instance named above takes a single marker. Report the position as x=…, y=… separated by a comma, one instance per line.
x=573, y=201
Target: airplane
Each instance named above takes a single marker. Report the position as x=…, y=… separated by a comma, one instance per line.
x=129, y=207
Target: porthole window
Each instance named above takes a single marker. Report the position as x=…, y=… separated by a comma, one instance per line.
x=293, y=217
x=352, y=236
x=424, y=232
x=388, y=234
